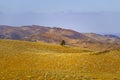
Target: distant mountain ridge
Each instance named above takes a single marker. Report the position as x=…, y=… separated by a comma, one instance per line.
x=55, y=35
x=98, y=21
x=104, y=38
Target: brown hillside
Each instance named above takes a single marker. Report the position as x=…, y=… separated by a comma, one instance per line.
x=55, y=35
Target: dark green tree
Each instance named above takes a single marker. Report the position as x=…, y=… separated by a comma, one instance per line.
x=62, y=43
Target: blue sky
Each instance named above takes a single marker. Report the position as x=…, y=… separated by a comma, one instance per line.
x=81, y=15
x=14, y=6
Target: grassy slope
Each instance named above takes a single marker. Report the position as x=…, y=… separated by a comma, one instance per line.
x=38, y=61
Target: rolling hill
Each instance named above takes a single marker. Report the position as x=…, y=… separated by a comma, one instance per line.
x=104, y=38
x=55, y=35
x=39, y=61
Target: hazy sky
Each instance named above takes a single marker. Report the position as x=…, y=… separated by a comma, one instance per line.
x=58, y=5
x=82, y=15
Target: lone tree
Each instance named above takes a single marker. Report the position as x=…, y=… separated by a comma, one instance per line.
x=62, y=43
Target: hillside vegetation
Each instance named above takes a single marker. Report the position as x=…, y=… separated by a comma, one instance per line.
x=36, y=33
x=22, y=60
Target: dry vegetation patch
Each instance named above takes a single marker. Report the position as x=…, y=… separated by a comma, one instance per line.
x=22, y=60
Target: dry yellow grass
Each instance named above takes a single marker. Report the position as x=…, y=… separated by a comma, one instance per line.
x=20, y=60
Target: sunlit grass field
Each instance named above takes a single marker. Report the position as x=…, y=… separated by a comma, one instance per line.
x=22, y=60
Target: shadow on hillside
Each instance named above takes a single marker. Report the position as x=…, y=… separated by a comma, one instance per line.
x=102, y=52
